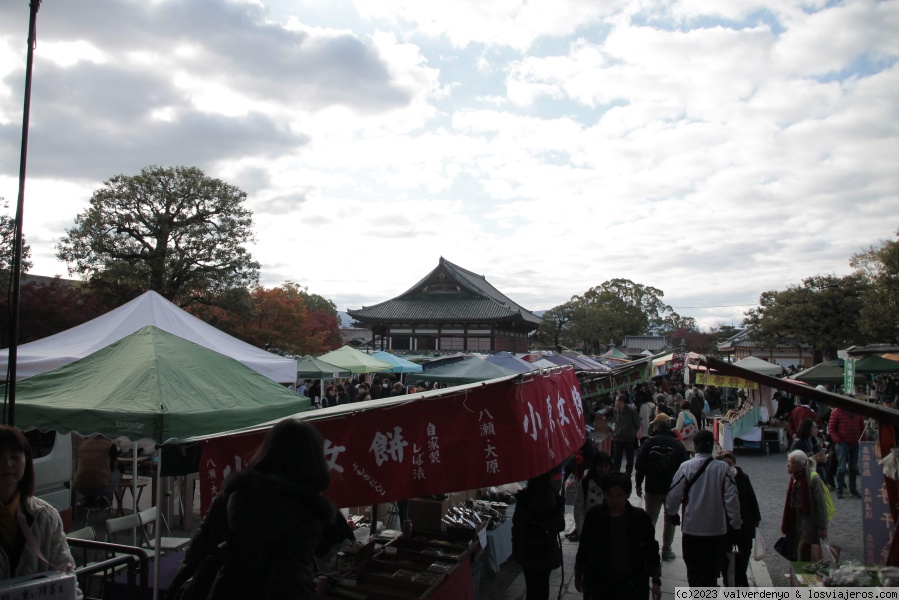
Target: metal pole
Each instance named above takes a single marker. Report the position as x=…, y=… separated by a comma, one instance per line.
x=16, y=273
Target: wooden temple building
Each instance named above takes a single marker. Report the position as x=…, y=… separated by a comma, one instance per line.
x=450, y=310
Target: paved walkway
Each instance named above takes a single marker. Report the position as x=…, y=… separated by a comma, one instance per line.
x=509, y=583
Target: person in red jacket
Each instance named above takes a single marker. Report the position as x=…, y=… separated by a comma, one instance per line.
x=797, y=416
x=845, y=429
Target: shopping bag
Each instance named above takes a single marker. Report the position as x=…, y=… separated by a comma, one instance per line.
x=758, y=552
x=780, y=546
x=825, y=551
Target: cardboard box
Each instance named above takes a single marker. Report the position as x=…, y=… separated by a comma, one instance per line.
x=425, y=513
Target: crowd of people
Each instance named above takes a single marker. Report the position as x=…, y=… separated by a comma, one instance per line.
x=350, y=390
x=663, y=448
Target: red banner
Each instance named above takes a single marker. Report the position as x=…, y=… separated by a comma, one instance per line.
x=471, y=438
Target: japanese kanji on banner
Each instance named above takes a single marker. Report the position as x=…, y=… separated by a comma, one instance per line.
x=477, y=437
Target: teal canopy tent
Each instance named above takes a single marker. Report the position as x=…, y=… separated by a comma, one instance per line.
x=400, y=365
x=467, y=371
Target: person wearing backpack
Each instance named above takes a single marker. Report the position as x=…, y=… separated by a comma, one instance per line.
x=805, y=512
x=686, y=426
x=704, y=489
x=657, y=462
x=618, y=554
x=538, y=519
x=751, y=516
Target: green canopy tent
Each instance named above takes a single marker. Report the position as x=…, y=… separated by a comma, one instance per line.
x=830, y=371
x=470, y=370
x=876, y=364
x=355, y=361
x=310, y=367
x=152, y=384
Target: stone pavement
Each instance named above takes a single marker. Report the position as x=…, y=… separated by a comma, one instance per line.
x=509, y=583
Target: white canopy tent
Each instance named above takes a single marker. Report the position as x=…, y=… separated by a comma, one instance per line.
x=757, y=365
x=147, y=309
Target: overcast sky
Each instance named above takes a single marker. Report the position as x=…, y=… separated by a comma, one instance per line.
x=712, y=149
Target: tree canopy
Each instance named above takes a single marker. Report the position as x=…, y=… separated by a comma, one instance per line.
x=7, y=245
x=822, y=312
x=171, y=230
x=606, y=313
x=879, y=267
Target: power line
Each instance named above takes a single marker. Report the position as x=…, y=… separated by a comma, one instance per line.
x=719, y=306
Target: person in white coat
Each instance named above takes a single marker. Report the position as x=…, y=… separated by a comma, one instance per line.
x=705, y=489
x=31, y=532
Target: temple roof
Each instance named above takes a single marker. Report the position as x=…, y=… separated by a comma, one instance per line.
x=448, y=293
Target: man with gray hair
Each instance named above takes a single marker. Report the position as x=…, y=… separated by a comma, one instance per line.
x=704, y=488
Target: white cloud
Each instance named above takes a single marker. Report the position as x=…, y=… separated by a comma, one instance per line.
x=713, y=150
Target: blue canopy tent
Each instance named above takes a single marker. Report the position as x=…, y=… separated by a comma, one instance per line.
x=509, y=361
x=400, y=365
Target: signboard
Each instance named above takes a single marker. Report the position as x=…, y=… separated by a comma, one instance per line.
x=481, y=436
x=849, y=376
x=877, y=521
x=725, y=381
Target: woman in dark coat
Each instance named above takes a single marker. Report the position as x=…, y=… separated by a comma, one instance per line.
x=618, y=552
x=260, y=534
x=751, y=517
x=538, y=518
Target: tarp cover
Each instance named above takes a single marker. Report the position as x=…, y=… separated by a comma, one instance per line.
x=482, y=435
x=152, y=384
x=147, y=309
x=353, y=360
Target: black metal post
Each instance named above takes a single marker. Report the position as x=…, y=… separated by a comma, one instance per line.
x=20, y=209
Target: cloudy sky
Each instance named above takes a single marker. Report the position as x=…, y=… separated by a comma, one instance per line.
x=711, y=149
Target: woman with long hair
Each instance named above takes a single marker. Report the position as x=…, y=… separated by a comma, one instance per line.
x=260, y=534
x=31, y=532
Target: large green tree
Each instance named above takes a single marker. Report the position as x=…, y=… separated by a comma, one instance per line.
x=171, y=230
x=822, y=312
x=606, y=313
x=879, y=315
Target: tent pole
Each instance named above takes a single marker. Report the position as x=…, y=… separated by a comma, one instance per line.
x=158, y=525
x=134, y=486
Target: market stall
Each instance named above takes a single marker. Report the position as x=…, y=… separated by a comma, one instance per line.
x=886, y=418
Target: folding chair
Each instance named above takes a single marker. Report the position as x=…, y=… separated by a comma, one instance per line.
x=133, y=524
x=166, y=543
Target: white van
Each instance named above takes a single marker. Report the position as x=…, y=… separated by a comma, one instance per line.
x=53, y=467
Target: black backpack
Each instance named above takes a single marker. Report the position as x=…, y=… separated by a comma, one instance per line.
x=662, y=461
x=537, y=544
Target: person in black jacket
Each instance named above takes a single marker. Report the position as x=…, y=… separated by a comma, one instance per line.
x=538, y=518
x=657, y=462
x=260, y=534
x=618, y=552
x=751, y=517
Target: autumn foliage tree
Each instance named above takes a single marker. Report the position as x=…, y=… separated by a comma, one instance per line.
x=286, y=320
x=48, y=307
